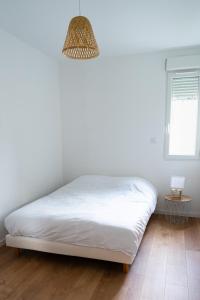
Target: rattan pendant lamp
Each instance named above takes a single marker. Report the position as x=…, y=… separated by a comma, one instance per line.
x=80, y=41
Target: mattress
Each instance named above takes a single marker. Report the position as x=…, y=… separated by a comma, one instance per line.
x=92, y=211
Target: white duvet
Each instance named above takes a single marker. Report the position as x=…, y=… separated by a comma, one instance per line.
x=92, y=211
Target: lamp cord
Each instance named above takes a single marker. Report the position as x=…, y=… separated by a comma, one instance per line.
x=79, y=7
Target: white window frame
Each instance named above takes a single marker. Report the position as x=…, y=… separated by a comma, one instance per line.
x=170, y=75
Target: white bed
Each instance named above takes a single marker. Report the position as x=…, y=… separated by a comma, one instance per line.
x=98, y=217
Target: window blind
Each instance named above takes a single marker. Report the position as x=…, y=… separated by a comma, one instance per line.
x=185, y=88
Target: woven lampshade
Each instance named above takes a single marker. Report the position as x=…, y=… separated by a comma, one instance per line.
x=80, y=42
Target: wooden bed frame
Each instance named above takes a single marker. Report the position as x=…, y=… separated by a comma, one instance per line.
x=20, y=242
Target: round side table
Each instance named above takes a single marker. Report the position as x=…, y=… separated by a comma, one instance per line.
x=176, y=208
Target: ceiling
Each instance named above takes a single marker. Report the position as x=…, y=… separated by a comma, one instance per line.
x=121, y=26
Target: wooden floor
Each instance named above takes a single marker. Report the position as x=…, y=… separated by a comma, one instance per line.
x=167, y=266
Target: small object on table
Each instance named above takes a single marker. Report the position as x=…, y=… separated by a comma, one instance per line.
x=177, y=185
x=177, y=208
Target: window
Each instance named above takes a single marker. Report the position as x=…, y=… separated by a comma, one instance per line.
x=182, y=130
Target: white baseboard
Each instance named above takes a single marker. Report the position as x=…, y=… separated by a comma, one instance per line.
x=188, y=214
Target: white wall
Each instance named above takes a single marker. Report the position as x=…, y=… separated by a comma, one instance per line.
x=30, y=125
x=112, y=108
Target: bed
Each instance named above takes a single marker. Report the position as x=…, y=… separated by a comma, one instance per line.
x=98, y=217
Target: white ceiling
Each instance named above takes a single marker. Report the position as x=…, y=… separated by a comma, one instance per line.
x=121, y=26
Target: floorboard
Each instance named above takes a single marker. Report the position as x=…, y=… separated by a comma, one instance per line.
x=167, y=266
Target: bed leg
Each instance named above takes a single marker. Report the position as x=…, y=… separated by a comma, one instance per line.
x=18, y=251
x=125, y=268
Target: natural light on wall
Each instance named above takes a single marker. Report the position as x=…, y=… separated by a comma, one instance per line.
x=183, y=119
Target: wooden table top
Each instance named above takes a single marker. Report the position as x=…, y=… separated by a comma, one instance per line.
x=183, y=198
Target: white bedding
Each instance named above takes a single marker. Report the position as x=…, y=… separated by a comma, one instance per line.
x=92, y=211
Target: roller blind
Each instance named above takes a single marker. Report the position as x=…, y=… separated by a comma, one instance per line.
x=190, y=62
x=183, y=115
x=185, y=88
